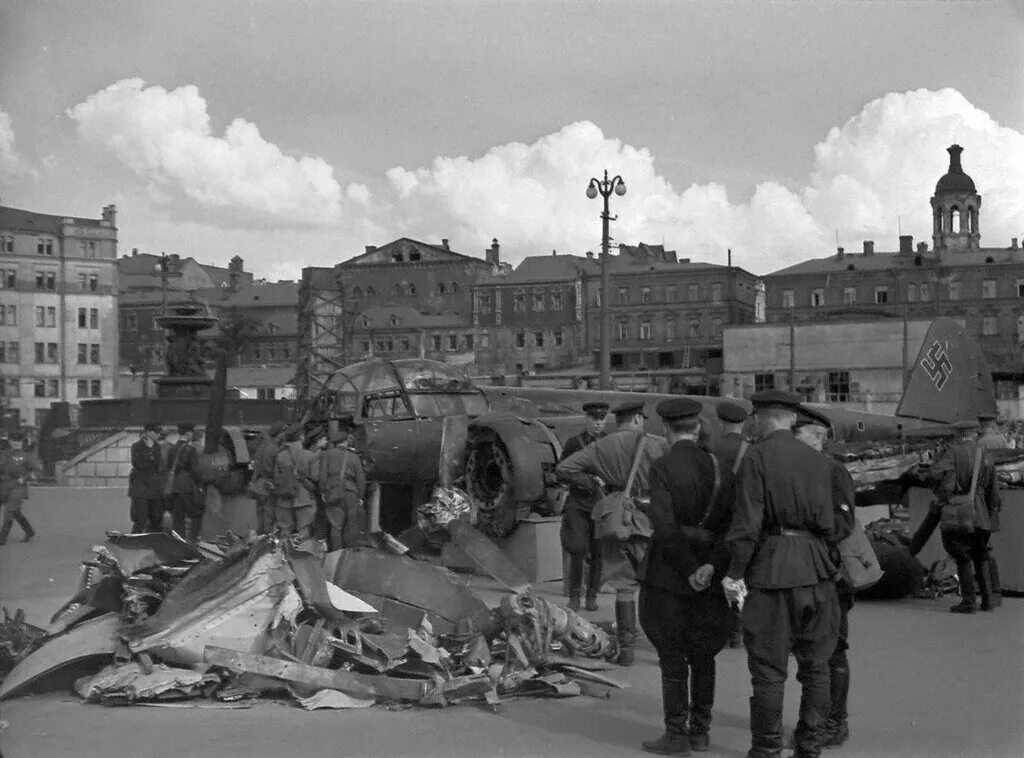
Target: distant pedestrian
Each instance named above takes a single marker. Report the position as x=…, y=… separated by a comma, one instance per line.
x=145, y=481
x=16, y=469
x=262, y=485
x=182, y=483
x=295, y=484
x=342, y=484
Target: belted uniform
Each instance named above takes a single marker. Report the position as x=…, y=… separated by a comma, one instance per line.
x=186, y=507
x=263, y=483
x=16, y=467
x=577, y=531
x=342, y=484
x=145, y=487
x=295, y=510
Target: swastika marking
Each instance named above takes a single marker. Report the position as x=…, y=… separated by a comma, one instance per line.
x=937, y=365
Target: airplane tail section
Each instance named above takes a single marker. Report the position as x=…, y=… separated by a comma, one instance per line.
x=950, y=380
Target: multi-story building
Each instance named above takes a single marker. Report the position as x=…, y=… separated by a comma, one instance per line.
x=531, y=319
x=268, y=316
x=958, y=278
x=58, y=309
x=667, y=312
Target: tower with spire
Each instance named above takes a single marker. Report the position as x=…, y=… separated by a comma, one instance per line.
x=956, y=209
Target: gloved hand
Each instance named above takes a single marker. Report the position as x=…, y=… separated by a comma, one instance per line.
x=700, y=579
x=735, y=591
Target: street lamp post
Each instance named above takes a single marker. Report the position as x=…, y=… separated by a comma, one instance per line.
x=605, y=188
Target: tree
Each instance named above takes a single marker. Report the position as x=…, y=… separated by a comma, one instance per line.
x=238, y=332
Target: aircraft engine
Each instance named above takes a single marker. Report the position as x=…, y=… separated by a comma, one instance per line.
x=227, y=467
x=510, y=470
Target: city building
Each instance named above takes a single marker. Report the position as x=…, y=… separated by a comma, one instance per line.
x=263, y=317
x=957, y=277
x=58, y=310
x=532, y=319
x=666, y=312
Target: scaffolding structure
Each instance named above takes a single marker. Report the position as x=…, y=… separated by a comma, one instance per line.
x=323, y=331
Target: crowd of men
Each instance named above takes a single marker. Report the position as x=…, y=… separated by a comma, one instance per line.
x=307, y=485
x=747, y=534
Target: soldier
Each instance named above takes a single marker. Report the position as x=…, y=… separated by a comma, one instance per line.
x=263, y=477
x=295, y=484
x=577, y=527
x=16, y=468
x=342, y=483
x=145, y=481
x=610, y=460
x=990, y=438
x=184, y=474
x=682, y=608
x=812, y=428
x=729, y=450
x=782, y=542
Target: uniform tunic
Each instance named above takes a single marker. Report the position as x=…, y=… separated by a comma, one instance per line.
x=263, y=483
x=146, y=487
x=727, y=449
x=295, y=512
x=16, y=468
x=577, y=531
x=184, y=500
x=342, y=484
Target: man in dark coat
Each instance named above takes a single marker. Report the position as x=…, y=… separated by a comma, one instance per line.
x=812, y=428
x=145, y=481
x=16, y=469
x=682, y=608
x=782, y=543
x=186, y=511
x=577, y=527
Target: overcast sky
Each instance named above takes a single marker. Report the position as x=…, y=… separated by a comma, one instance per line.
x=294, y=133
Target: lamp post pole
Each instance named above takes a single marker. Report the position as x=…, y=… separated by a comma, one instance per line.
x=605, y=187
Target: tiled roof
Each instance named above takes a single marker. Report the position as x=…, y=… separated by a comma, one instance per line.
x=447, y=252
x=17, y=220
x=546, y=268
x=889, y=261
x=253, y=296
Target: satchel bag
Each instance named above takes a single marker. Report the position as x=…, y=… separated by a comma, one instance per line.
x=959, y=514
x=700, y=534
x=169, y=476
x=617, y=517
x=861, y=565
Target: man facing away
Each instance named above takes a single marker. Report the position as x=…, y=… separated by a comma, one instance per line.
x=682, y=608
x=186, y=511
x=16, y=468
x=263, y=477
x=577, y=531
x=782, y=542
x=295, y=484
x=610, y=459
x=342, y=484
x=145, y=481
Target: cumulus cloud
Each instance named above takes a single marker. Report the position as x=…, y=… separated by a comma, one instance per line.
x=11, y=165
x=878, y=167
x=165, y=137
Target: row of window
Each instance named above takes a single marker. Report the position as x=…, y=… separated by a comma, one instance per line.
x=672, y=330
x=46, y=280
x=917, y=292
x=86, y=388
x=272, y=351
x=838, y=385
x=47, y=352
x=438, y=343
x=44, y=246
x=693, y=295
x=538, y=338
x=539, y=302
x=46, y=316
x=404, y=289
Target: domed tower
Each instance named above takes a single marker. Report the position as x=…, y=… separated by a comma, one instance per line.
x=956, y=208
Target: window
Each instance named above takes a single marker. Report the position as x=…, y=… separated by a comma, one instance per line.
x=988, y=288
x=46, y=281
x=412, y=287
x=94, y=282
x=40, y=316
x=10, y=352
x=911, y=292
x=645, y=295
x=694, y=328
x=364, y=322
x=454, y=288
x=83, y=388
x=403, y=344
x=266, y=393
x=286, y=350
x=131, y=322
x=670, y=330
x=519, y=338
x=83, y=318
x=484, y=303
x=467, y=339
x=10, y=388
x=838, y=386
x=954, y=290
x=989, y=326
x=83, y=352
x=670, y=293
x=623, y=295
x=435, y=342
x=693, y=293
x=787, y=298
x=1020, y=288
x=271, y=353
x=645, y=331
x=881, y=294
x=556, y=301
x=817, y=298
x=8, y=315
x=925, y=292
x=716, y=327
x=94, y=318
x=716, y=292
x=7, y=244
x=91, y=253
x=557, y=338
x=538, y=301
x=849, y=295
x=44, y=246
x=396, y=321
x=538, y=339
x=257, y=351
x=371, y=292
x=9, y=278
x=399, y=290
x=364, y=345
x=453, y=342
x=485, y=341
x=357, y=293
x=764, y=382
x=623, y=331
x=442, y=289
x=518, y=302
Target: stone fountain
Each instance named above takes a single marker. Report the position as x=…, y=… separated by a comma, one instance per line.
x=186, y=373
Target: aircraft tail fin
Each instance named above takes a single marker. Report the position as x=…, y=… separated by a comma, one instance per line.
x=950, y=380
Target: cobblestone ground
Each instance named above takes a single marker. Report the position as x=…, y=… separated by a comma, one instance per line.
x=925, y=683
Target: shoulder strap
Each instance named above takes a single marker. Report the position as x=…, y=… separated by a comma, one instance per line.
x=636, y=464
x=978, y=453
x=739, y=457
x=714, y=492
x=177, y=457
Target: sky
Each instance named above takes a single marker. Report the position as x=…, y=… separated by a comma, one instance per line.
x=294, y=133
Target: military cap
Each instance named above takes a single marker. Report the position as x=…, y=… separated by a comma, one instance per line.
x=186, y=427
x=151, y=426
x=775, y=399
x=678, y=408
x=596, y=408
x=276, y=428
x=966, y=425
x=731, y=413
x=987, y=416
x=630, y=406
x=809, y=417
x=293, y=432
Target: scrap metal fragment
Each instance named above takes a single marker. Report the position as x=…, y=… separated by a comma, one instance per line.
x=484, y=553
x=333, y=699
x=130, y=682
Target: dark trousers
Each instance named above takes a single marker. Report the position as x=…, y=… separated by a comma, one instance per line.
x=184, y=506
x=970, y=551
x=265, y=505
x=839, y=664
x=147, y=514
x=687, y=631
x=347, y=520
x=578, y=541
x=804, y=621
x=11, y=514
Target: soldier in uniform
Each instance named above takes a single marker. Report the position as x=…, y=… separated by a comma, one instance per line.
x=609, y=460
x=186, y=512
x=992, y=439
x=342, y=484
x=989, y=437
x=682, y=608
x=145, y=481
x=577, y=527
x=729, y=449
x=295, y=481
x=16, y=468
x=263, y=477
x=812, y=428
x=782, y=542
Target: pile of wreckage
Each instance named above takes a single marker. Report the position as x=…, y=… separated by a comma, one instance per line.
x=158, y=620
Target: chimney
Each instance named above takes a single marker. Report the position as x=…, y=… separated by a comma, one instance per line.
x=906, y=243
x=235, y=268
x=110, y=215
x=135, y=251
x=869, y=247
x=1013, y=243
x=370, y=248
x=922, y=247
x=444, y=243
x=554, y=252
x=590, y=254
x=493, y=253
x=840, y=252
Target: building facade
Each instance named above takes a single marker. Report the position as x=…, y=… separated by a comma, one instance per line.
x=58, y=310
x=957, y=277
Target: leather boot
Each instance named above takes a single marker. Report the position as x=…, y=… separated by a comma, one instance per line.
x=676, y=706
x=625, y=621
x=575, y=582
x=593, y=582
x=996, y=588
x=765, y=730
x=983, y=570
x=702, y=699
x=837, y=731
x=965, y=572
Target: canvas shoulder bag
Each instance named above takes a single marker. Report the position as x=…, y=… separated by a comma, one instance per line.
x=618, y=517
x=960, y=514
